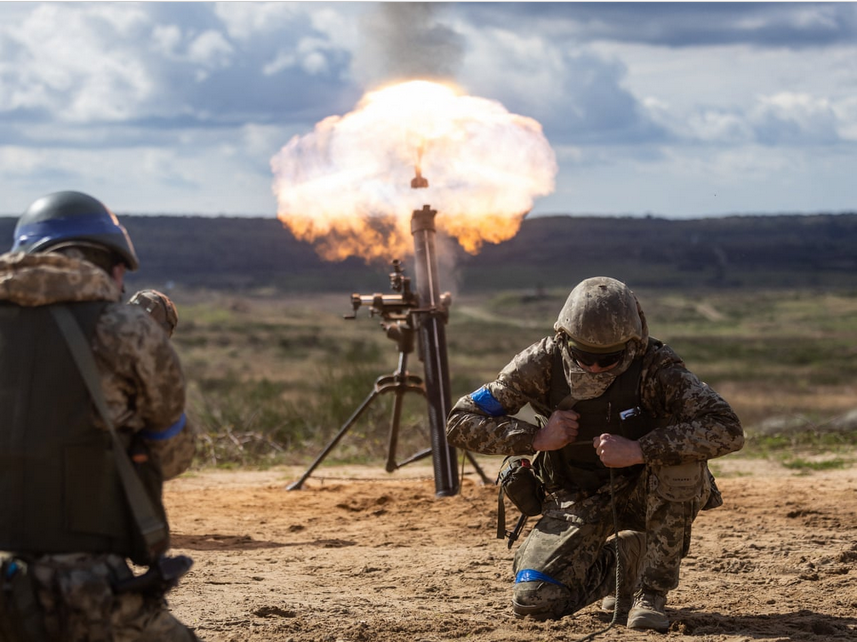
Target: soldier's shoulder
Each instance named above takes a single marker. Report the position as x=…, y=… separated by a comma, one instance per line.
x=541, y=351
x=130, y=325
x=660, y=356
x=121, y=315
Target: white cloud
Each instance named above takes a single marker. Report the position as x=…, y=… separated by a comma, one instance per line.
x=246, y=20
x=846, y=116
x=210, y=49
x=659, y=102
x=81, y=72
x=710, y=126
x=166, y=40
x=789, y=117
x=283, y=60
x=521, y=71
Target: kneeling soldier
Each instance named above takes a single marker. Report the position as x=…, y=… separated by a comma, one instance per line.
x=622, y=422
x=92, y=396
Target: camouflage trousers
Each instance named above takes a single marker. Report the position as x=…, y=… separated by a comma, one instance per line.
x=564, y=564
x=75, y=602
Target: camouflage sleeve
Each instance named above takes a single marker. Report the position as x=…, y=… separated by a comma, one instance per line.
x=175, y=453
x=143, y=383
x=482, y=421
x=697, y=423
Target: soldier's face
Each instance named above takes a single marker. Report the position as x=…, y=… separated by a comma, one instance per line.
x=595, y=363
x=119, y=275
x=595, y=368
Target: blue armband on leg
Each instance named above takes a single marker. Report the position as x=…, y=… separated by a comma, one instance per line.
x=529, y=575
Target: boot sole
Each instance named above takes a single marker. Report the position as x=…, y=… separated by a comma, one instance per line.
x=648, y=620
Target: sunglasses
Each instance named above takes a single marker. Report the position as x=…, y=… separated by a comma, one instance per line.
x=590, y=359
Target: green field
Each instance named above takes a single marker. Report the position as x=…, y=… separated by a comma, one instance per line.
x=272, y=377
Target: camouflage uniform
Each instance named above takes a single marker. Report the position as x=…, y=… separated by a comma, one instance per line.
x=564, y=564
x=144, y=391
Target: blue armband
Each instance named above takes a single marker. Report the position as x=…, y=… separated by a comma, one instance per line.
x=160, y=435
x=487, y=403
x=529, y=575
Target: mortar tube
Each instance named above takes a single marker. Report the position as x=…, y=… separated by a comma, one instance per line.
x=432, y=334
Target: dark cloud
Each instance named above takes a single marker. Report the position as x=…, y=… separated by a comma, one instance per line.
x=680, y=24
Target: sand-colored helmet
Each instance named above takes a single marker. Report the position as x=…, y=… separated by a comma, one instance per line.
x=159, y=306
x=600, y=316
x=64, y=219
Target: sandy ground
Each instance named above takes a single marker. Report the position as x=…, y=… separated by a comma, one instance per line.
x=359, y=555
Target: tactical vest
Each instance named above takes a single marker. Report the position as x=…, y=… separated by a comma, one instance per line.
x=618, y=411
x=59, y=488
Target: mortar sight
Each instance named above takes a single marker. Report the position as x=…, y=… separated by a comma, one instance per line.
x=390, y=307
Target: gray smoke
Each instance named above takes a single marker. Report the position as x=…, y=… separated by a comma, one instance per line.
x=403, y=40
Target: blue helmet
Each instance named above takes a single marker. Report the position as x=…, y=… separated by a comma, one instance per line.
x=72, y=218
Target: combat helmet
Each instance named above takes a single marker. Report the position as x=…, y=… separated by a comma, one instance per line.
x=600, y=316
x=159, y=305
x=63, y=219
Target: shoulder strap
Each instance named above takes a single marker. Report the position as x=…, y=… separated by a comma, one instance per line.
x=152, y=528
x=559, y=389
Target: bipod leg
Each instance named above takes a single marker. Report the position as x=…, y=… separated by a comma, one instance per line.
x=393, y=438
x=354, y=417
x=425, y=453
x=420, y=455
x=479, y=471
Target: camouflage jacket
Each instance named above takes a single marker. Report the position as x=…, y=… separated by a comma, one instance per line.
x=140, y=372
x=696, y=423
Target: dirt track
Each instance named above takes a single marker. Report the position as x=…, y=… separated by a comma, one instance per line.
x=358, y=555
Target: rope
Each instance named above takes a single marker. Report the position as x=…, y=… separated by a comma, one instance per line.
x=592, y=636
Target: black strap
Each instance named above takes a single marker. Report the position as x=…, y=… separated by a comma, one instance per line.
x=152, y=528
x=501, y=514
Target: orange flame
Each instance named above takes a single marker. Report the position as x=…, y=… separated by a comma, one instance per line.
x=346, y=186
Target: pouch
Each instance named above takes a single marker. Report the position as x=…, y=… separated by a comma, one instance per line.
x=518, y=481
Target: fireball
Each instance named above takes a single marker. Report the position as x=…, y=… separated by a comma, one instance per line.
x=346, y=186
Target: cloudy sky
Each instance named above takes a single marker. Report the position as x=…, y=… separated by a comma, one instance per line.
x=675, y=109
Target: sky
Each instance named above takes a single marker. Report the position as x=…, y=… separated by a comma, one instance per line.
x=680, y=110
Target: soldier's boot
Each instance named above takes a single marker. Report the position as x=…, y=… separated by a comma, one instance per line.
x=649, y=611
x=540, y=600
x=632, y=550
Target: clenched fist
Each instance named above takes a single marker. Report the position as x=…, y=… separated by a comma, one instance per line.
x=560, y=430
x=616, y=451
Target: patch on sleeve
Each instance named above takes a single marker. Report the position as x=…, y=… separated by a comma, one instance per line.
x=487, y=403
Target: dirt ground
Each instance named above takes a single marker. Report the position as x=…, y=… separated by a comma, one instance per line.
x=359, y=555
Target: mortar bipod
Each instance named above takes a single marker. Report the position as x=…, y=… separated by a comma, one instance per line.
x=398, y=383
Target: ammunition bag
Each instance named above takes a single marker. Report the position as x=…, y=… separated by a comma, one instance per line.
x=518, y=481
x=21, y=616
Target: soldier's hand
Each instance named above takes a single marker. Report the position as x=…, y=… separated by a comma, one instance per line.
x=560, y=430
x=616, y=451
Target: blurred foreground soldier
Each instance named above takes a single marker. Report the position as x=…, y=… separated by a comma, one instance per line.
x=84, y=380
x=622, y=421
x=160, y=306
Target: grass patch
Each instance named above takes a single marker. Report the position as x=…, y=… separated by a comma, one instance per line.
x=271, y=380
x=799, y=463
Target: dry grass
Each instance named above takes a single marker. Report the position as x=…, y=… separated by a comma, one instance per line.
x=283, y=372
